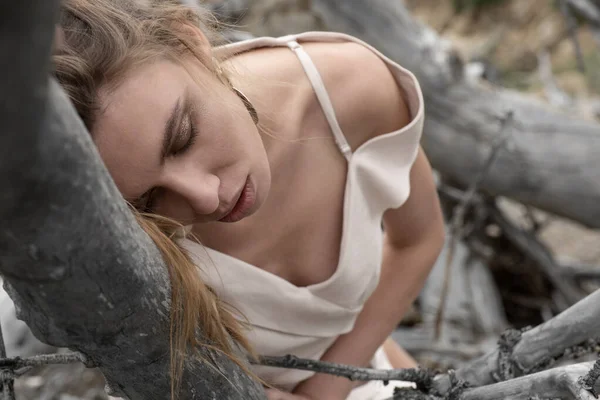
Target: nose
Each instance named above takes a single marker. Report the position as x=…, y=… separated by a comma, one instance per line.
x=200, y=191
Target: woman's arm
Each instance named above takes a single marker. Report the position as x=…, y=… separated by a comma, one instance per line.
x=414, y=235
x=274, y=394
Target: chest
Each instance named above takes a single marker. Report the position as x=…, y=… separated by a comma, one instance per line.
x=296, y=234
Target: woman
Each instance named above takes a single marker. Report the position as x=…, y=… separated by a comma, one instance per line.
x=284, y=157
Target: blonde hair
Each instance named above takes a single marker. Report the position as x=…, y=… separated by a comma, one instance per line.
x=101, y=41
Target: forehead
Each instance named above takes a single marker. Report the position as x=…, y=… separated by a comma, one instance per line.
x=129, y=127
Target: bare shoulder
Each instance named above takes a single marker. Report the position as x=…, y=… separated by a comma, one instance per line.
x=365, y=95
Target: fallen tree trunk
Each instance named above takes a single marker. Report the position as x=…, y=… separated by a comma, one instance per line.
x=551, y=161
x=82, y=273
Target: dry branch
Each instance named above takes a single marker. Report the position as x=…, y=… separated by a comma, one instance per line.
x=422, y=377
x=539, y=347
x=578, y=381
x=563, y=382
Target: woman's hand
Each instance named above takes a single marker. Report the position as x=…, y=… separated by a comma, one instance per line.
x=274, y=394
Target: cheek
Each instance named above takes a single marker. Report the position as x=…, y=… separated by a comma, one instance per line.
x=174, y=206
x=228, y=135
x=226, y=132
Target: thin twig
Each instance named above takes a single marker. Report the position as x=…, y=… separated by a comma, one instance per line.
x=460, y=211
x=11, y=368
x=43, y=359
x=572, y=28
x=421, y=377
x=8, y=391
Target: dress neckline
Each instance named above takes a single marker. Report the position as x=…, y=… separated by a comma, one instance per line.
x=261, y=42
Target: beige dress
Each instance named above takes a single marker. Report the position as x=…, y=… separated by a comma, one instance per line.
x=305, y=321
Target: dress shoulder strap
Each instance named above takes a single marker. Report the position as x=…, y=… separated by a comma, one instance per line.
x=322, y=95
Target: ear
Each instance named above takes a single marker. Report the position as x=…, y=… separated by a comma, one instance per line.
x=200, y=40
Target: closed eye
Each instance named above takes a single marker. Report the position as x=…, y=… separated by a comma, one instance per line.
x=188, y=134
x=180, y=132
x=179, y=142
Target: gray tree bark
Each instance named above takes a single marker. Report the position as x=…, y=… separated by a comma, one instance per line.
x=539, y=345
x=82, y=273
x=563, y=383
x=552, y=160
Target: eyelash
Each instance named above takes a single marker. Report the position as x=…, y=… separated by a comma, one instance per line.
x=147, y=205
x=191, y=140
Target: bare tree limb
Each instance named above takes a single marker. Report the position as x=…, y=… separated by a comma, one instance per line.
x=422, y=377
x=563, y=382
x=539, y=346
x=43, y=359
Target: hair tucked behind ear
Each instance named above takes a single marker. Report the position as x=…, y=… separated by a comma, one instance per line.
x=101, y=41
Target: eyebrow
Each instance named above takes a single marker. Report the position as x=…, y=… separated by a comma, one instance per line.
x=170, y=128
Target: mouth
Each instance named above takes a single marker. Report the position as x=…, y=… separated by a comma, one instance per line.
x=243, y=205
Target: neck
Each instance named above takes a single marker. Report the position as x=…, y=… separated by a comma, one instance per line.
x=281, y=105
x=274, y=132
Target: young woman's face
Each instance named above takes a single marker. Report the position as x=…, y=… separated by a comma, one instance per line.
x=180, y=148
